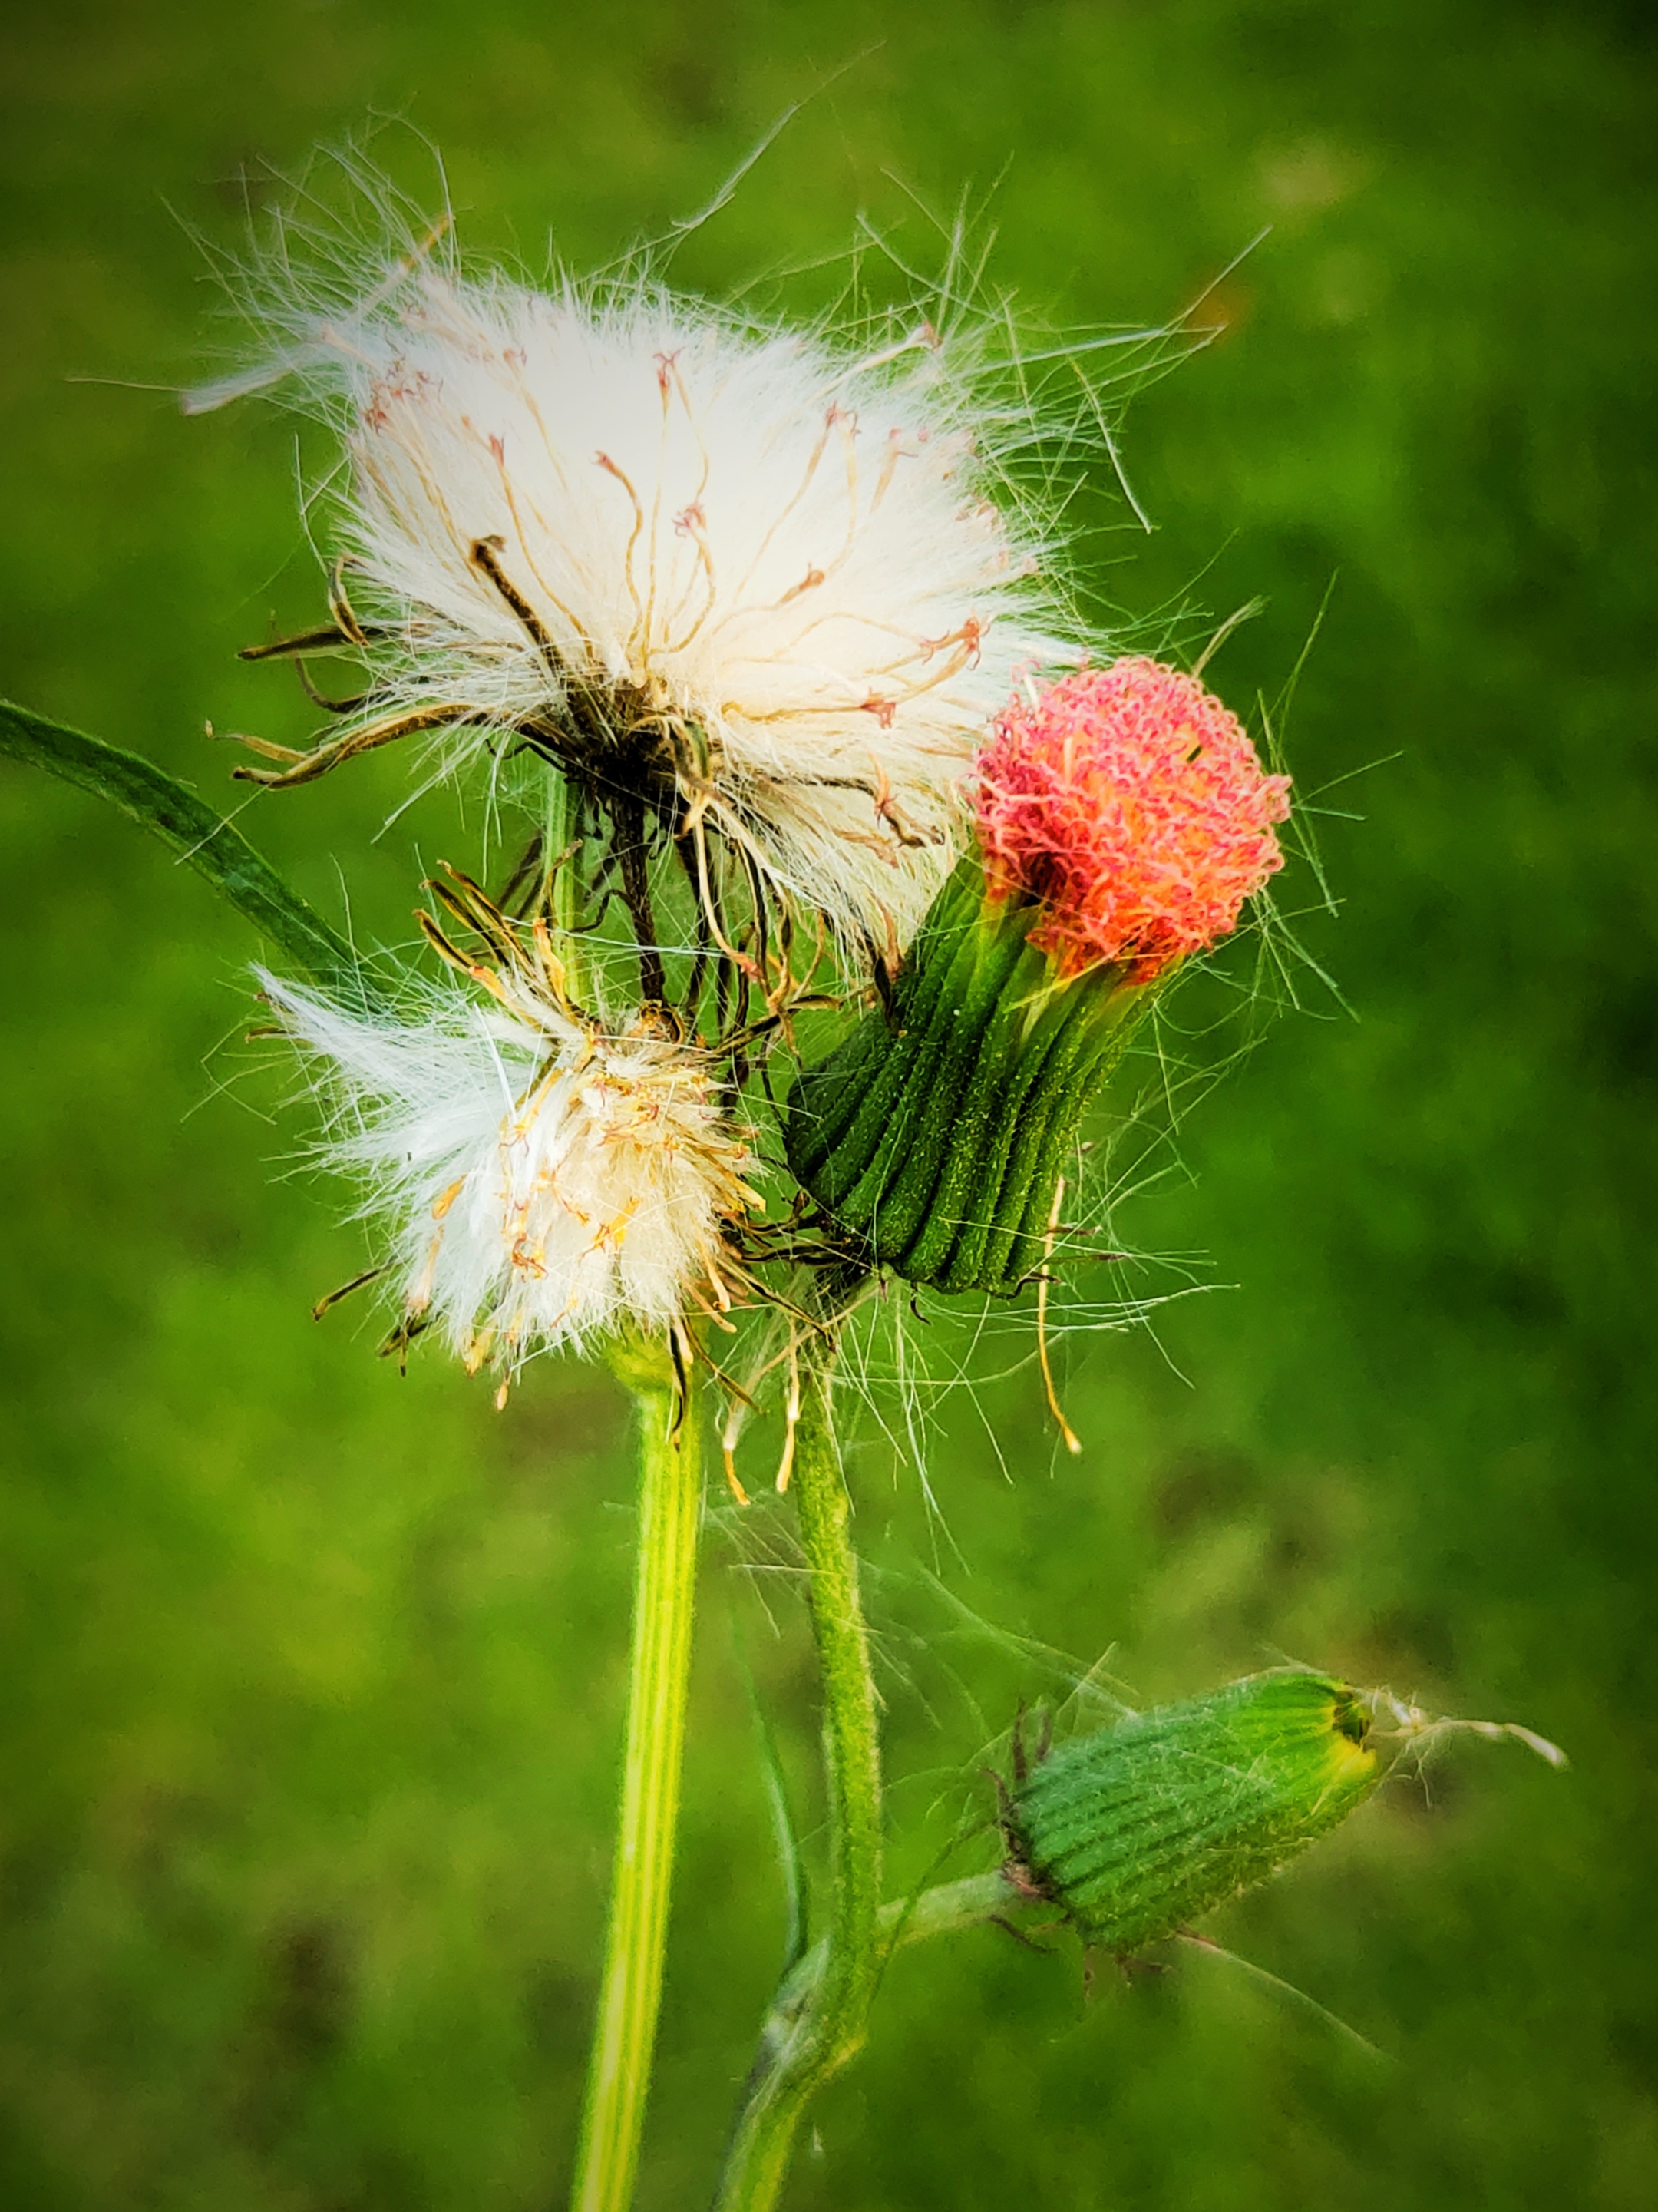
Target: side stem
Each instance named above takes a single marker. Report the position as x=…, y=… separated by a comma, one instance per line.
x=670, y=1495
x=973, y=1902
x=563, y=882
x=807, y=2041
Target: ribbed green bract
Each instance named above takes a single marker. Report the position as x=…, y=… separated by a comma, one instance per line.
x=935, y=1136
x=1137, y=1832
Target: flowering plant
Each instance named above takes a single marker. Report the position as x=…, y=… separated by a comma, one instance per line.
x=757, y=629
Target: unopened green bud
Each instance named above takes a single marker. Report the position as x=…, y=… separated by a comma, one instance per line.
x=1138, y=1831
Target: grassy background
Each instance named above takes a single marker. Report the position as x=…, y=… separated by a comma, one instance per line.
x=312, y=1677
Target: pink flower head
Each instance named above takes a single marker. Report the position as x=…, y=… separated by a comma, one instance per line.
x=1130, y=802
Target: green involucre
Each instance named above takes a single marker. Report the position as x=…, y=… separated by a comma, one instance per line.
x=935, y=1136
x=1140, y=1829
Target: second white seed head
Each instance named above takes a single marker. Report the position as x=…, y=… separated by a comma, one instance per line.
x=536, y=1180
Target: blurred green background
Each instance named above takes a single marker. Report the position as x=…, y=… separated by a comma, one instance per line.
x=312, y=1677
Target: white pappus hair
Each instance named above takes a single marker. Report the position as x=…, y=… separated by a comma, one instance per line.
x=778, y=555
x=540, y=1180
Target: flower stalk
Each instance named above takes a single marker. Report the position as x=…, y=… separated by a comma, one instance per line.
x=820, y=2018
x=946, y=1909
x=630, y=1989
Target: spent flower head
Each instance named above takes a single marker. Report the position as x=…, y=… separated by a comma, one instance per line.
x=540, y=1177
x=759, y=579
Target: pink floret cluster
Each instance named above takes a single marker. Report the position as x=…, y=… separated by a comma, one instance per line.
x=1130, y=803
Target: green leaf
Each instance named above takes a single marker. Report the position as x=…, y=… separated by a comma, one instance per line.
x=199, y=834
x=790, y=1862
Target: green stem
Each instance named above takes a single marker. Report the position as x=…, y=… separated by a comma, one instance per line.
x=944, y=1909
x=619, y=2069
x=200, y=835
x=807, y=2042
x=563, y=883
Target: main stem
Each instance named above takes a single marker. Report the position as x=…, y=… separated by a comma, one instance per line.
x=670, y=1506
x=808, y=2040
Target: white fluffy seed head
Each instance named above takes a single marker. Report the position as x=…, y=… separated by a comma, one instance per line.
x=780, y=553
x=542, y=1181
